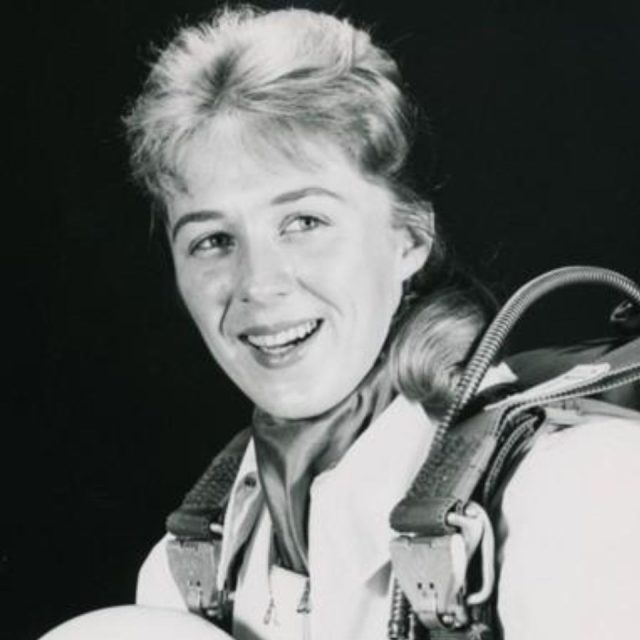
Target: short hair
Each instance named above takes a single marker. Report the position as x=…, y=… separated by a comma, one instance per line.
x=286, y=75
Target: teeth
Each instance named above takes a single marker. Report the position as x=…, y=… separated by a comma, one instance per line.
x=277, y=340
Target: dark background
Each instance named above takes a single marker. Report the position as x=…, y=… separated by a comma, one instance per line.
x=113, y=405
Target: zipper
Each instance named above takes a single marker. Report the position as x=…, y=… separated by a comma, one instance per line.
x=304, y=608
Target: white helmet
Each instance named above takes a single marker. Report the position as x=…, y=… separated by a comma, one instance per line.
x=132, y=622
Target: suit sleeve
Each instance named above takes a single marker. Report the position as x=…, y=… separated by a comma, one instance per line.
x=571, y=555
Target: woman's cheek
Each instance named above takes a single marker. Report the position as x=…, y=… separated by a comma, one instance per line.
x=204, y=285
x=332, y=255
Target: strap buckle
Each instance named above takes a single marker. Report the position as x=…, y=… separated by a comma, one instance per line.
x=194, y=566
x=432, y=570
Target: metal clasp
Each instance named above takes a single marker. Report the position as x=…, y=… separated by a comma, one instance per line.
x=194, y=566
x=432, y=570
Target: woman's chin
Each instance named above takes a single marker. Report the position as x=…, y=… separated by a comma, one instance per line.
x=293, y=409
x=305, y=397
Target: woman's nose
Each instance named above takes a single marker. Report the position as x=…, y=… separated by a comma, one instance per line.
x=265, y=274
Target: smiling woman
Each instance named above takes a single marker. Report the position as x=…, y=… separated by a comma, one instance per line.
x=275, y=145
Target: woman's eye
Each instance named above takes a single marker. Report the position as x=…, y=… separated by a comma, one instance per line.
x=302, y=223
x=216, y=242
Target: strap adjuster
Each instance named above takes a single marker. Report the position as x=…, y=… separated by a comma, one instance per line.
x=432, y=570
x=194, y=566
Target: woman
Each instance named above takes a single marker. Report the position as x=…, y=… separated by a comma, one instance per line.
x=274, y=145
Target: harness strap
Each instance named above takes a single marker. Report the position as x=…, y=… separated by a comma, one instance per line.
x=195, y=550
x=204, y=505
x=451, y=475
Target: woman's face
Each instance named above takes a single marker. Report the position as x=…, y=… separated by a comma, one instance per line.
x=292, y=272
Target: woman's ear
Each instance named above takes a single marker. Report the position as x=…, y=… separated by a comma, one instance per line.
x=415, y=246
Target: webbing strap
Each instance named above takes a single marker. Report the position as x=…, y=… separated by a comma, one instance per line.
x=206, y=501
x=449, y=478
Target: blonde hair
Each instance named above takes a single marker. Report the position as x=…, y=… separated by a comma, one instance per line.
x=287, y=75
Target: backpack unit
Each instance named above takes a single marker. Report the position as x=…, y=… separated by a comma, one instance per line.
x=443, y=557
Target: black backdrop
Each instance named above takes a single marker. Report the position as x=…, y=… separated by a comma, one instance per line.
x=113, y=405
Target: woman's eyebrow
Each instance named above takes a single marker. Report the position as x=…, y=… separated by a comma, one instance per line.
x=298, y=194
x=194, y=216
x=283, y=198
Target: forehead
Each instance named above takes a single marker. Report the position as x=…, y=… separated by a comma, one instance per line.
x=225, y=156
x=228, y=164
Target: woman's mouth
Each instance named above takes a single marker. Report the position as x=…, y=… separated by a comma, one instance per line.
x=280, y=347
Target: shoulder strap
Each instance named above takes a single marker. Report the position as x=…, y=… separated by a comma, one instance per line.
x=194, y=551
x=204, y=504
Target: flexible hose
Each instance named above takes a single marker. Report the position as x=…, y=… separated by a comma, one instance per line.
x=512, y=311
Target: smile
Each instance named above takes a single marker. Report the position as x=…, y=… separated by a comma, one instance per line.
x=282, y=340
x=276, y=347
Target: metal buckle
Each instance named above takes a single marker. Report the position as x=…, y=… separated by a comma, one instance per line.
x=432, y=571
x=194, y=565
